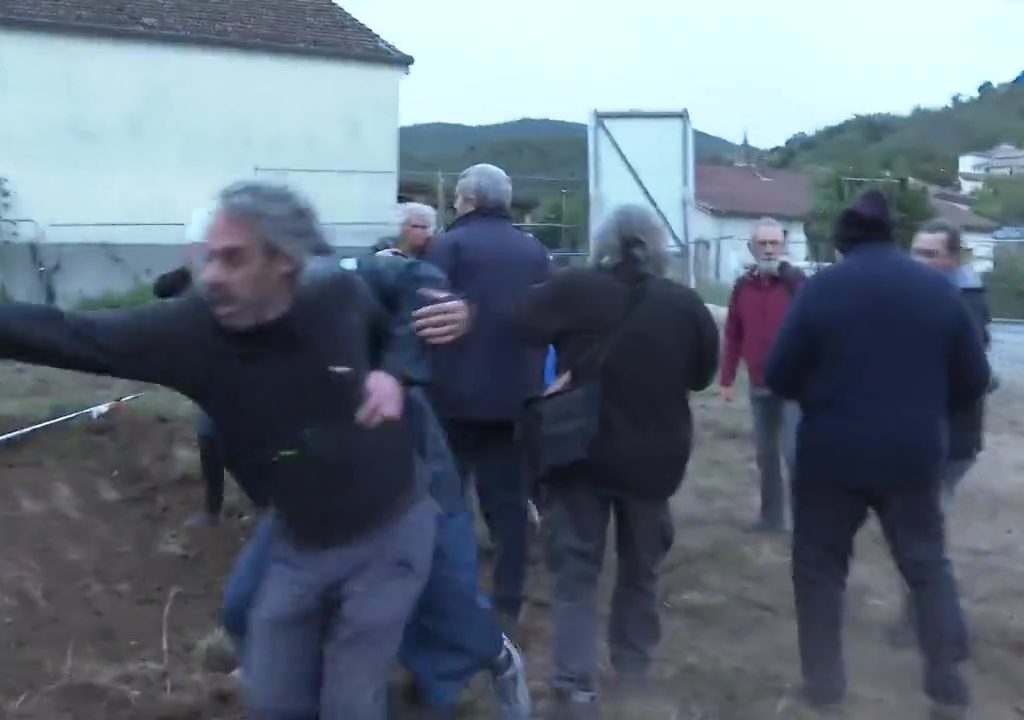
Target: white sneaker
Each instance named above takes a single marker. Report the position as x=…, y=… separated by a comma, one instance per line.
x=511, y=687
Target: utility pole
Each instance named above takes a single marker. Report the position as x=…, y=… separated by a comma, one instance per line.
x=442, y=209
x=561, y=242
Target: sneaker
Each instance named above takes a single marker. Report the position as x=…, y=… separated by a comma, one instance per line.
x=573, y=703
x=510, y=684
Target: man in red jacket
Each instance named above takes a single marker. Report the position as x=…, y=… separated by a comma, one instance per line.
x=759, y=301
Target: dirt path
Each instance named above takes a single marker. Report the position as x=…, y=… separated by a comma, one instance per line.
x=92, y=551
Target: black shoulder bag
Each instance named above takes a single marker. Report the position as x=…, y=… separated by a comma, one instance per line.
x=560, y=427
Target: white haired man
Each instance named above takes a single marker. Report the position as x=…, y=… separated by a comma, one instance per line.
x=417, y=224
x=758, y=304
x=302, y=381
x=644, y=343
x=481, y=384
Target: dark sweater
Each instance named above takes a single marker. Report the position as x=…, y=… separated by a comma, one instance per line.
x=667, y=349
x=878, y=350
x=284, y=414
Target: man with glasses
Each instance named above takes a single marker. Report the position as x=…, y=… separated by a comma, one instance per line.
x=759, y=301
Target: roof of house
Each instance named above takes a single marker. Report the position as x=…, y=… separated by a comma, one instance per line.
x=312, y=27
x=753, y=192
x=962, y=216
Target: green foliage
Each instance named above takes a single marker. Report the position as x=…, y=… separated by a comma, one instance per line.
x=1005, y=285
x=910, y=207
x=547, y=148
x=1002, y=200
x=137, y=295
x=923, y=145
x=572, y=238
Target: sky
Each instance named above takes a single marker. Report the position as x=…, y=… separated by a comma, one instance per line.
x=770, y=68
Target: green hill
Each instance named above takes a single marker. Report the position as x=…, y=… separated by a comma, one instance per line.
x=924, y=144
x=548, y=148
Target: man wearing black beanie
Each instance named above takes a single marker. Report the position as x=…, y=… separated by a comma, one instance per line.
x=878, y=350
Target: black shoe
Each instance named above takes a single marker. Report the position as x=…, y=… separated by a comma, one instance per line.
x=822, y=699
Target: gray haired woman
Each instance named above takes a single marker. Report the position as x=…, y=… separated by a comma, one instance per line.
x=659, y=343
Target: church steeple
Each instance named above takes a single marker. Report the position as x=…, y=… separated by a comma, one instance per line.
x=747, y=153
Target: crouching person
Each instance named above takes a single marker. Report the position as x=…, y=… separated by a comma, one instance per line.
x=642, y=344
x=304, y=389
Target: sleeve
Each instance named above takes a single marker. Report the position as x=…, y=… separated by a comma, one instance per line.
x=404, y=354
x=443, y=254
x=792, y=355
x=733, y=333
x=706, y=352
x=142, y=343
x=542, y=313
x=969, y=371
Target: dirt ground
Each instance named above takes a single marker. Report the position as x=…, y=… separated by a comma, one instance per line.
x=106, y=605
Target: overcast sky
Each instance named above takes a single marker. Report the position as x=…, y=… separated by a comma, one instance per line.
x=774, y=68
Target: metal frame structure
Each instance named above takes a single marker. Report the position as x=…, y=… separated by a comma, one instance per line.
x=600, y=126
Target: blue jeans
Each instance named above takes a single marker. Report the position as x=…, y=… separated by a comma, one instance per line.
x=245, y=579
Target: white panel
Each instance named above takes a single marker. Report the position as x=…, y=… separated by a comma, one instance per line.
x=646, y=158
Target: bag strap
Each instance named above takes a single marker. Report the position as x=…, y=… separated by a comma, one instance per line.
x=602, y=348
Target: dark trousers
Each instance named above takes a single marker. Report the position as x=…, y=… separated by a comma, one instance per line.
x=491, y=454
x=211, y=462
x=827, y=518
x=578, y=517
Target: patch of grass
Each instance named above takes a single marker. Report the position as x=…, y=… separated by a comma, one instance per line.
x=137, y=295
x=715, y=293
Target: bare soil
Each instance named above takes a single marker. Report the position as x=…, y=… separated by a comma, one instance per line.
x=107, y=606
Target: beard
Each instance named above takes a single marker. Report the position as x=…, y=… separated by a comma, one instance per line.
x=768, y=267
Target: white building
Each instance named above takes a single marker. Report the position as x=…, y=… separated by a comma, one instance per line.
x=976, y=167
x=729, y=202
x=118, y=119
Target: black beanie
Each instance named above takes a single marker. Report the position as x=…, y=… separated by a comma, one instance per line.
x=867, y=220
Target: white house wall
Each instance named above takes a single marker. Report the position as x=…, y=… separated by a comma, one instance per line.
x=727, y=238
x=111, y=144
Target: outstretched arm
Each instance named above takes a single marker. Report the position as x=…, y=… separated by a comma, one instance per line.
x=151, y=343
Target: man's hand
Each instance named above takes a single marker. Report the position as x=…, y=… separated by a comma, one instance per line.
x=445, y=321
x=727, y=393
x=383, y=402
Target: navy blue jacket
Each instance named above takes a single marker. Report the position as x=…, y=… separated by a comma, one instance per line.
x=490, y=373
x=879, y=350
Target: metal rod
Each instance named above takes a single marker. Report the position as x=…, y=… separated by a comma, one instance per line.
x=329, y=171
x=624, y=114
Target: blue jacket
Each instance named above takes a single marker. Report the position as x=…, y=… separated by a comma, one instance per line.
x=879, y=350
x=490, y=373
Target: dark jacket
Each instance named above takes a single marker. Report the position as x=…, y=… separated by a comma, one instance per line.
x=967, y=427
x=756, y=309
x=667, y=349
x=283, y=395
x=878, y=350
x=490, y=373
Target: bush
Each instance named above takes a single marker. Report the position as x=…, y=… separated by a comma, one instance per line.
x=715, y=293
x=138, y=295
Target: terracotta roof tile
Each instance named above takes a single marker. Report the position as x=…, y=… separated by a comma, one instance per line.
x=961, y=216
x=753, y=192
x=318, y=27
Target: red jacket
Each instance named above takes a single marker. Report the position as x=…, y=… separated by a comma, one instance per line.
x=756, y=310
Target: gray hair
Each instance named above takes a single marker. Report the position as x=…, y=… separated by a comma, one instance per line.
x=768, y=222
x=489, y=187
x=631, y=233
x=279, y=216
x=409, y=211
x=939, y=226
